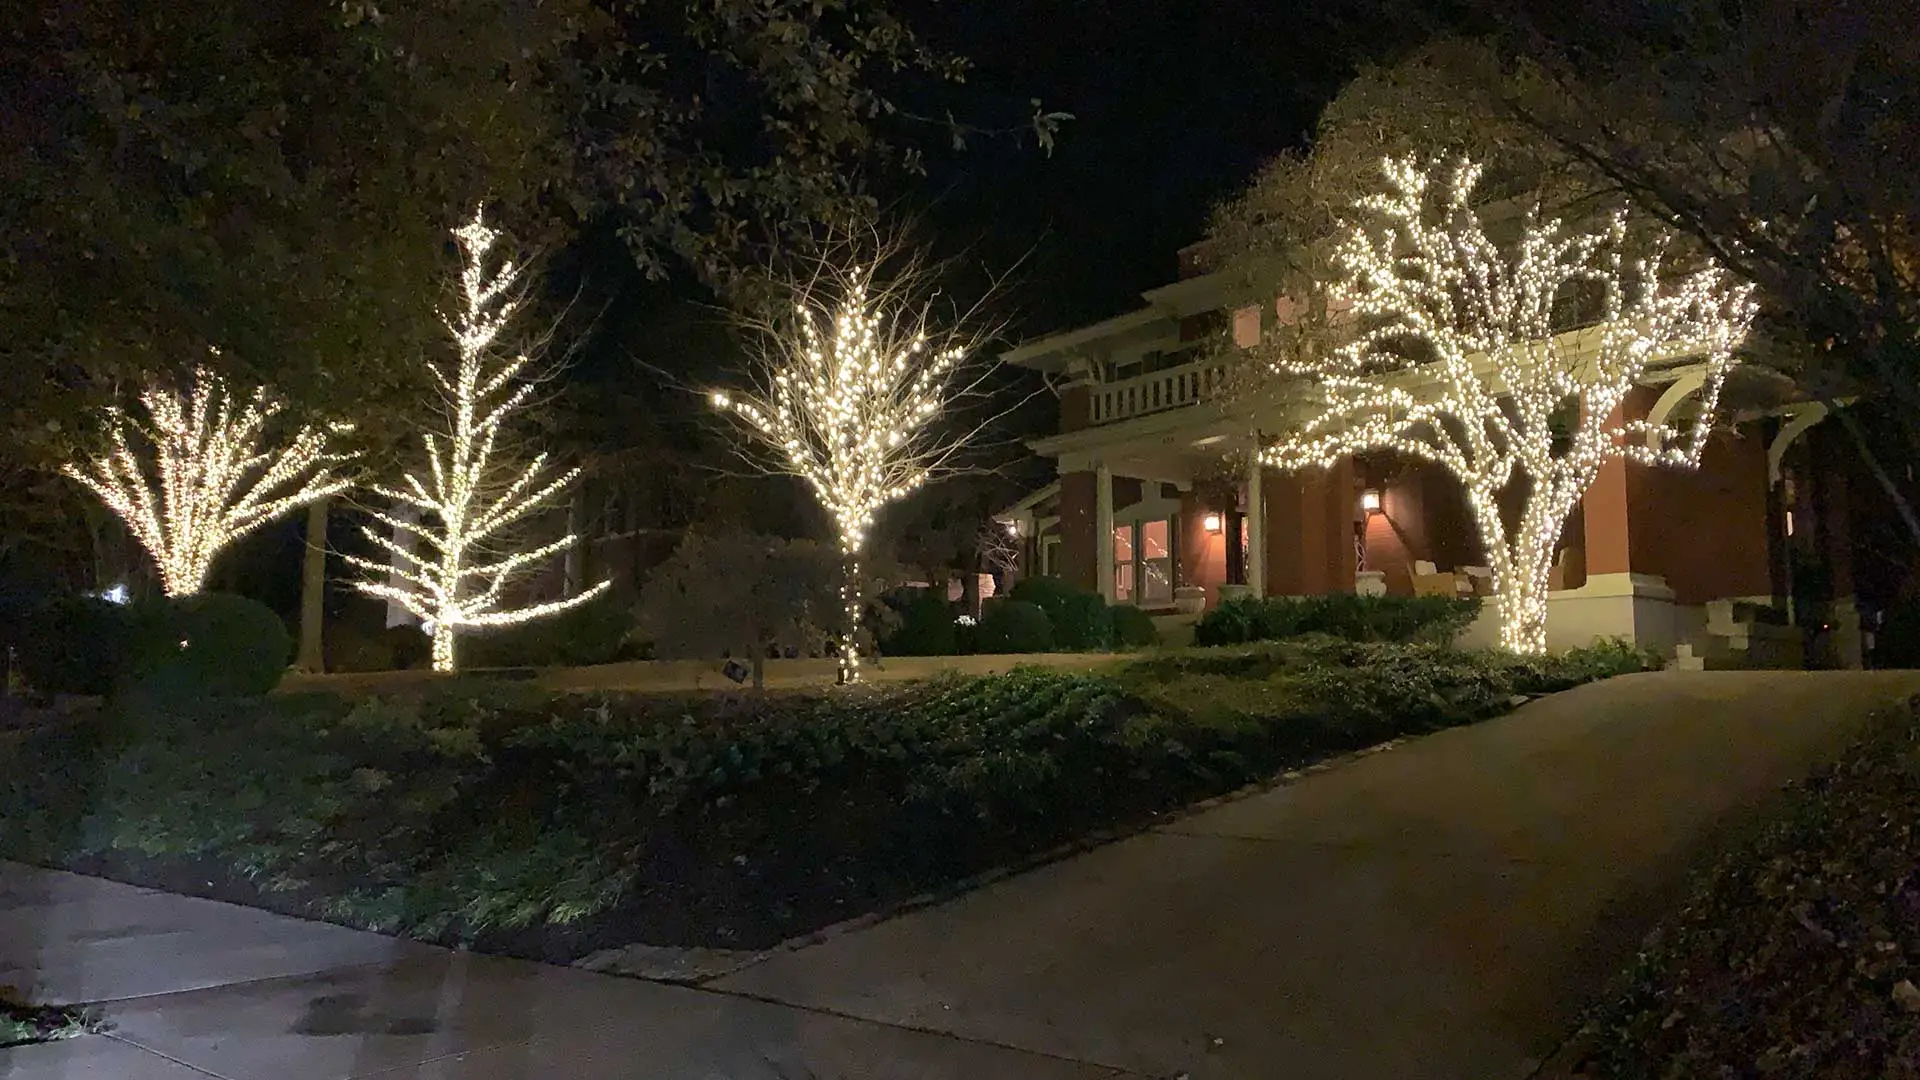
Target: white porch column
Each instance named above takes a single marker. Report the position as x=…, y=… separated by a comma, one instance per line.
x=1103, y=529
x=1256, y=529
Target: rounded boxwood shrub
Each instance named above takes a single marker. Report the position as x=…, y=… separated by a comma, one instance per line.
x=926, y=626
x=212, y=644
x=1080, y=619
x=75, y=644
x=1013, y=626
x=1132, y=627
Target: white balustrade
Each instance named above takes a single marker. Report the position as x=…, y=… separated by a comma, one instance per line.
x=1157, y=391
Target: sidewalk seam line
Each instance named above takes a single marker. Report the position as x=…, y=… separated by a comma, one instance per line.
x=164, y=1056
x=821, y=1010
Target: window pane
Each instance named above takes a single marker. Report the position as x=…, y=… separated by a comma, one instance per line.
x=1154, y=542
x=1122, y=544
x=1123, y=583
x=1246, y=326
x=1157, y=587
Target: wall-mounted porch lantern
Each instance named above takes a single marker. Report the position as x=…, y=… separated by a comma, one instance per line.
x=1370, y=501
x=1211, y=523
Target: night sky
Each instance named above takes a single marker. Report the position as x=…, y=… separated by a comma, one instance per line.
x=1176, y=103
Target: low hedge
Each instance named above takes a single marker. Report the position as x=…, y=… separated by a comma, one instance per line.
x=212, y=644
x=1345, y=615
x=550, y=825
x=1797, y=954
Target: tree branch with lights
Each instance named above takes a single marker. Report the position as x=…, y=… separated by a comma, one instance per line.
x=201, y=469
x=1459, y=352
x=458, y=571
x=855, y=387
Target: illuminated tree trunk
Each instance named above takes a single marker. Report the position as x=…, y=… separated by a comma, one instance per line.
x=1520, y=588
x=853, y=604
x=443, y=647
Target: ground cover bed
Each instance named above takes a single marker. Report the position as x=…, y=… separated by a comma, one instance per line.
x=1797, y=954
x=22, y=1023
x=548, y=825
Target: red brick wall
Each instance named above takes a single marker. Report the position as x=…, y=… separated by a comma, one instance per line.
x=1606, y=506
x=1704, y=530
x=1310, y=531
x=1203, y=555
x=1424, y=515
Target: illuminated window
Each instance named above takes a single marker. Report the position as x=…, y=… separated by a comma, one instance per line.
x=1143, y=563
x=1156, y=563
x=1246, y=542
x=1246, y=326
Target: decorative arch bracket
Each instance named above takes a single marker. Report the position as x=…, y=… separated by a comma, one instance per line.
x=1789, y=432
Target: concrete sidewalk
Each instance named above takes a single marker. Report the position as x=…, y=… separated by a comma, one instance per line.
x=196, y=989
x=1438, y=911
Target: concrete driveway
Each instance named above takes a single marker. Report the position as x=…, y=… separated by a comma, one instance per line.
x=1440, y=910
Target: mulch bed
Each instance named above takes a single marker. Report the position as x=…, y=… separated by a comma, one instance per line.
x=1798, y=955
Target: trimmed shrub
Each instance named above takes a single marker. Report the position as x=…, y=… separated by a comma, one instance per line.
x=1435, y=619
x=1013, y=626
x=926, y=626
x=1132, y=627
x=354, y=648
x=76, y=645
x=408, y=647
x=212, y=645
x=1080, y=619
x=595, y=632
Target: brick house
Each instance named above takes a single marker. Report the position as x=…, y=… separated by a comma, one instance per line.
x=1143, y=512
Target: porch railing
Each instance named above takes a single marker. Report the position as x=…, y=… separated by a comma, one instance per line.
x=1157, y=391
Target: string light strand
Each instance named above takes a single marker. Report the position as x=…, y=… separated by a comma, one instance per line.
x=198, y=471
x=447, y=568
x=1460, y=356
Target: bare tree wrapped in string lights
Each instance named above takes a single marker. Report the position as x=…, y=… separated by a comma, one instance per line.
x=474, y=496
x=856, y=385
x=202, y=469
x=1459, y=354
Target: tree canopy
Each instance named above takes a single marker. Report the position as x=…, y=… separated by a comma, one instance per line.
x=276, y=181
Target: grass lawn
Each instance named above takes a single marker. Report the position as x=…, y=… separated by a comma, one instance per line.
x=550, y=825
x=1798, y=953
